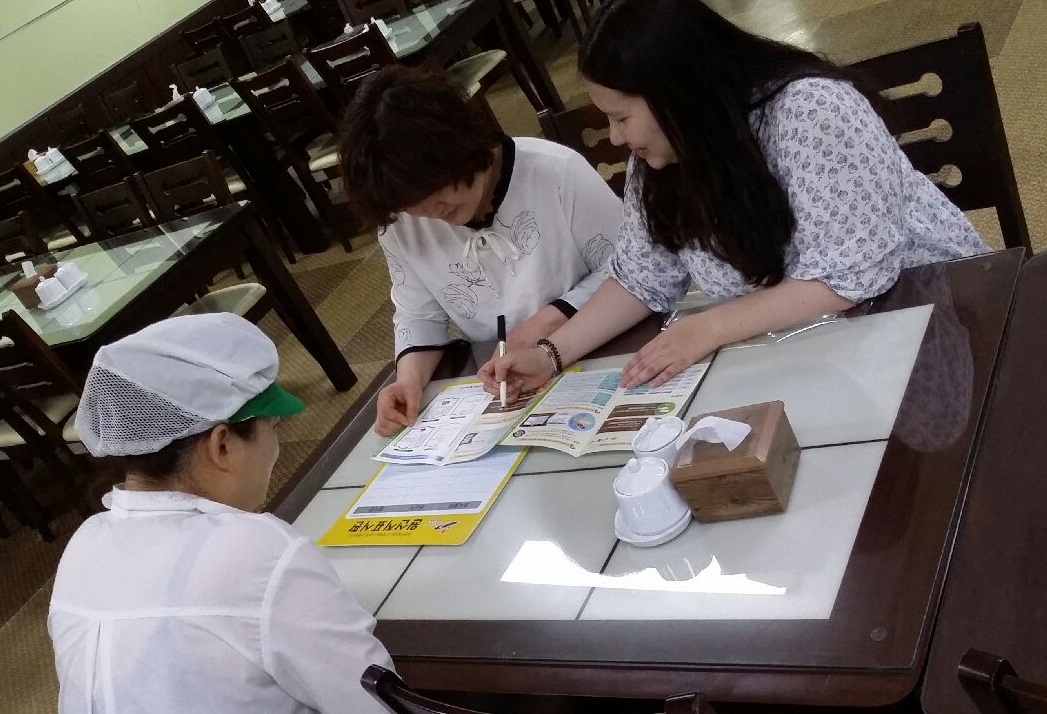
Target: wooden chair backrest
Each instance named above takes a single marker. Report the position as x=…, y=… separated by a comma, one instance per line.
x=286, y=103
x=585, y=130
x=185, y=188
x=995, y=688
x=208, y=69
x=70, y=124
x=345, y=62
x=178, y=132
x=268, y=46
x=18, y=234
x=29, y=368
x=98, y=161
x=243, y=22
x=124, y=103
x=113, y=210
x=204, y=38
x=941, y=104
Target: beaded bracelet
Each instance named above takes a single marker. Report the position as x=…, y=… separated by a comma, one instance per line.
x=554, y=355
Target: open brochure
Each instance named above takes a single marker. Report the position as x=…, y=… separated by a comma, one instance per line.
x=578, y=413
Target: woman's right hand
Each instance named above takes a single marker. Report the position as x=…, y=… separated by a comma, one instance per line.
x=522, y=370
x=397, y=407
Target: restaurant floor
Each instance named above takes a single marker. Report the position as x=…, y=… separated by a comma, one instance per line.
x=350, y=290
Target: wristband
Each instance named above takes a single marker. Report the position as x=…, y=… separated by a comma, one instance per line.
x=554, y=355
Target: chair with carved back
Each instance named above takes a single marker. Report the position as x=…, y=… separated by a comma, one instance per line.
x=19, y=238
x=69, y=124
x=941, y=105
x=995, y=688
x=98, y=161
x=345, y=62
x=114, y=210
x=208, y=69
x=124, y=103
x=20, y=191
x=41, y=392
x=196, y=185
x=180, y=132
x=269, y=45
x=585, y=130
x=205, y=37
x=285, y=102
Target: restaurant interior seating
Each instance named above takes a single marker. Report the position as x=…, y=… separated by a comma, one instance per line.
x=244, y=22
x=205, y=37
x=269, y=45
x=20, y=191
x=942, y=106
x=113, y=210
x=19, y=238
x=343, y=63
x=98, y=161
x=124, y=103
x=40, y=396
x=208, y=69
x=995, y=688
x=70, y=124
x=585, y=130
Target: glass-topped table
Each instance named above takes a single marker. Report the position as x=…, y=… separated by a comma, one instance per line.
x=829, y=603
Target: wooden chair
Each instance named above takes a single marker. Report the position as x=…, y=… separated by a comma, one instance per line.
x=208, y=69
x=345, y=62
x=327, y=19
x=393, y=692
x=995, y=688
x=285, y=102
x=68, y=125
x=247, y=21
x=360, y=11
x=585, y=130
x=114, y=210
x=98, y=161
x=206, y=37
x=125, y=103
x=41, y=393
x=180, y=132
x=19, y=238
x=19, y=191
x=942, y=107
x=269, y=45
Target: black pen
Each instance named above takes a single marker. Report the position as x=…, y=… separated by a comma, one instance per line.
x=501, y=353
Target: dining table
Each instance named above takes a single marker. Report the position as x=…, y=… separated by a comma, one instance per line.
x=832, y=602
x=141, y=277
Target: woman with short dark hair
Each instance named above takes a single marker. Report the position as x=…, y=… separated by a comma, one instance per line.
x=474, y=224
x=760, y=172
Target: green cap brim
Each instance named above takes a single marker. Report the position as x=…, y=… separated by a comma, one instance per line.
x=273, y=401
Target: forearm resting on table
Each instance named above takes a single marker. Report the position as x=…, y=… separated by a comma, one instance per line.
x=787, y=303
x=609, y=312
x=417, y=367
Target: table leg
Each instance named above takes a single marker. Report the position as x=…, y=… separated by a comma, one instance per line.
x=521, y=45
x=295, y=308
x=274, y=185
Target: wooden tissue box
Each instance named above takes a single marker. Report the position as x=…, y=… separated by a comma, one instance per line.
x=753, y=480
x=25, y=288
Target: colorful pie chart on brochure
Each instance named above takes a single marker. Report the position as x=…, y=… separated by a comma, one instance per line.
x=582, y=421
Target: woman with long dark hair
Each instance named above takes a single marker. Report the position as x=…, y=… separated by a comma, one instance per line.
x=760, y=172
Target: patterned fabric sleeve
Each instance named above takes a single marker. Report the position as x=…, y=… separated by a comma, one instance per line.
x=594, y=214
x=418, y=320
x=844, y=175
x=655, y=276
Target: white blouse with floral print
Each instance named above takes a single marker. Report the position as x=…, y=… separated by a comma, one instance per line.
x=863, y=213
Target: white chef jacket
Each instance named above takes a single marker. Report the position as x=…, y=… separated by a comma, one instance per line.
x=173, y=603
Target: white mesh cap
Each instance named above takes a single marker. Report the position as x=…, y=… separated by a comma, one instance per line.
x=173, y=379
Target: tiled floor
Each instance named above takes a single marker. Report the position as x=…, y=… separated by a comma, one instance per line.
x=350, y=292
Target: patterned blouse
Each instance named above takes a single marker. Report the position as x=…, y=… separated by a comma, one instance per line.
x=863, y=213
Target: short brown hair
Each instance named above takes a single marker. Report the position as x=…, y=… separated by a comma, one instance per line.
x=407, y=134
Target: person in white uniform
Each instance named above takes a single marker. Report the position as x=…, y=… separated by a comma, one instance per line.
x=179, y=598
x=760, y=172
x=474, y=224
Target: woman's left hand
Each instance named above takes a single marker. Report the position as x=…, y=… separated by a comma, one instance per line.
x=682, y=344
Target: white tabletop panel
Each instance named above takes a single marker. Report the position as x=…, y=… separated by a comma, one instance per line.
x=784, y=566
x=368, y=572
x=841, y=382
x=573, y=511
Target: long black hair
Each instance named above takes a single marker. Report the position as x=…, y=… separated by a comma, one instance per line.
x=703, y=77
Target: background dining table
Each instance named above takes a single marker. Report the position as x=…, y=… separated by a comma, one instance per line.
x=831, y=603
